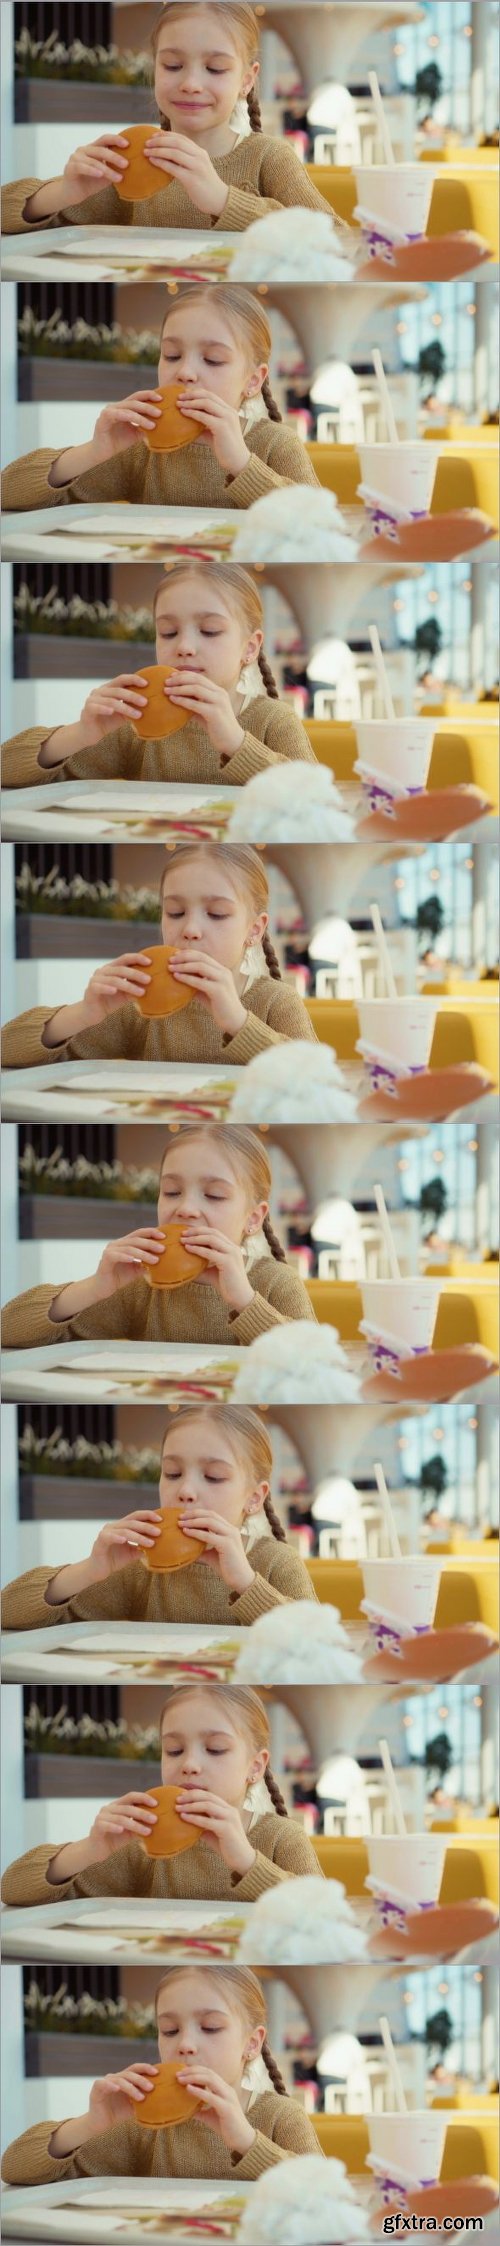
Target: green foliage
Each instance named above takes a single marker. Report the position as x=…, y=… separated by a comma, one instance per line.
x=89, y=66
x=433, y=1476
x=439, y=1754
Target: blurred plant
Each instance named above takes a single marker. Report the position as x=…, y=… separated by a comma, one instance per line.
x=116, y=1742
x=428, y=640
x=439, y=1754
x=439, y=2031
x=79, y=619
x=52, y=1174
x=107, y=1462
x=429, y=917
x=57, y=338
x=433, y=1200
x=428, y=86
x=101, y=66
x=86, y=900
x=433, y=1476
x=62, y=2014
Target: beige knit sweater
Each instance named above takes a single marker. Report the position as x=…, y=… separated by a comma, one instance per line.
x=191, y=477
x=263, y=175
x=274, y=1013
x=273, y=735
x=188, y=2149
x=282, y=1852
x=135, y=1594
x=138, y=1312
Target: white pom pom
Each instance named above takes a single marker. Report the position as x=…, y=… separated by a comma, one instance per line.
x=293, y=1083
x=291, y=803
x=304, y=2202
x=306, y=1922
x=298, y=1363
x=300, y=523
x=288, y=244
x=297, y=1644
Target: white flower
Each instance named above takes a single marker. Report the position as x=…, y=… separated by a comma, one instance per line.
x=303, y=2202
x=291, y=803
x=298, y=1363
x=300, y=523
x=287, y=245
x=297, y=1644
x=305, y=1922
x=293, y=1083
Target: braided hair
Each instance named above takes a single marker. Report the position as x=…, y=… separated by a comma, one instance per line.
x=247, y=1157
x=243, y=19
x=275, y=1245
x=273, y=2070
x=267, y=676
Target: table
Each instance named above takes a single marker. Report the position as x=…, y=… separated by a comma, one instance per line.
x=131, y=1933
x=119, y=1091
x=122, y=811
x=92, y=1652
x=124, y=1372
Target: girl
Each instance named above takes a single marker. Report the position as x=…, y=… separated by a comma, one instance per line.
x=213, y=898
x=215, y=1180
x=211, y=173
x=216, y=1465
x=209, y=629
x=212, y=2026
x=215, y=343
x=215, y=1750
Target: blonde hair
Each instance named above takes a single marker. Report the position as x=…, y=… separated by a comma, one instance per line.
x=249, y=880
x=240, y=592
x=249, y=1717
x=244, y=1431
x=244, y=23
x=243, y=1995
x=244, y=315
x=245, y=1154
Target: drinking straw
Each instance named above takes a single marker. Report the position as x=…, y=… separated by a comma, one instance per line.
x=385, y=398
x=392, y=1788
x=382, y=673
x=381, y=117
x=384, y=953
x=380, y=1206
x=400, y=2098
x=396, y=1553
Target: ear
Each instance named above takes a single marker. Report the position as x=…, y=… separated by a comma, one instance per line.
x=250, y=78
x=258, y=929
x=253, y=647
x=255, y=381
x=255, y=2042
x=256, y=1218
x=258, y=1498
x=259, y=1765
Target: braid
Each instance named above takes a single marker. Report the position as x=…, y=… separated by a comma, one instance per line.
x=274, y=1521
x=273, y=2070
x=270, y=402
x=272, y=1241
x=254, y=110
x=271, y=957
x=267, y=676
x=275, y=1792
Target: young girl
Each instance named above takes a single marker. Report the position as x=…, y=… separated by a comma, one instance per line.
x=215, y=1750
x=215, y=1180
x=215, y=343
x=211, y=173
x=216, y=1465
x=214, y=900
x=211, y=2024
x=209, y=629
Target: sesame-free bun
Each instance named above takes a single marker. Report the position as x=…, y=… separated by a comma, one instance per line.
x=169, y=1837
x=176, y=1265
x=172, y=429
x=141, y=178
x=167, y=2102
x=172, y=1549
x=163, y=995
x=160, y=716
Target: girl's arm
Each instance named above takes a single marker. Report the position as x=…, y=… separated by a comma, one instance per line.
x=294, y=1858
x=284, y=184
x=28, y=483
x=49, y=2154
x=284, y=740
x=36, y=758
x=287, y=1017
x=25, y=1044
x=43, y=1874
x=287, y=462
x=34, y=205
x=285, y=1298
x=290, y=2134
x=287, y=1579
x=120, y=1597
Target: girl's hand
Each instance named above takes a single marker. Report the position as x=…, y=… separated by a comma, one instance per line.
x=123, y=1260
x=223, y=424
x=192, y=167
x=113, y=2096
x=131, y=1816
x=100, y=164
x=118, y=1541
x=211, y=982
x=224, y=1262
x=124, y=424
x=211, y=704
x=117, y=702
x=224, y=1546
x=221, y=1824
x=219, y=2108
x=115, y=984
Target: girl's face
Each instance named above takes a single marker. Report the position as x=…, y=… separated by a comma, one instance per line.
x=198, y=346
x=196, y=2024
x=195, y=631
x=197, y=1180
x=200, y=1467
x=201, y=907
x=199, y=73
x=201, y=1747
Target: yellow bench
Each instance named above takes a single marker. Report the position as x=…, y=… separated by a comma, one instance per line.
x=461, y=202
x=464, y=751
x=465, y=476
x=470, y=2149
x=461, y=1033
x=468, y=1591
x=470, y=1867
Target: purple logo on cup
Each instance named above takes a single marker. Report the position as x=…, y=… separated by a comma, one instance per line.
x=384, y=524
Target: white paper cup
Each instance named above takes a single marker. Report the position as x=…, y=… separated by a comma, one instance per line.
x=407, y=2146
x=392, y=205
x=402, y=1594
x=408, y=1867
x=394, y=760
x=395, y=1038
x=397, y=482
x=401, y=1312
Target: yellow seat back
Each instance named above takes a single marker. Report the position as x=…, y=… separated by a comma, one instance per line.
x=468, y=1591
x=464, y=196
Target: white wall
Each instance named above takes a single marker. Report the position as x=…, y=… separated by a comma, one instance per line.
x=57, y=1262
x=12, y=1828
x=10, y=412
x=48, y=701
x=11, y=1547
x=56, y=1543
x=61, y=1821
x=11, y=1281
x=51, y=982
x=14, y=2113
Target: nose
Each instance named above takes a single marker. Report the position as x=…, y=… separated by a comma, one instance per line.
x=187, y=2044
x=191, y=931
x=187, y=1492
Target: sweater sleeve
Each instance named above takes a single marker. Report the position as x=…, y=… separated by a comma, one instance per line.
x=119, y=1597
x=103, y=209
x=287, y=463
x=285, y=739
x=284, y=185
x=294, y=1858
x=292, y=2134
x=287, y=1018
x=286, y=1579
x=121, y=1036
x=25, y=484
x=127, y=1871
x=114, y=2152
x=117, y=757
x=20, y=759
x=287, y=1298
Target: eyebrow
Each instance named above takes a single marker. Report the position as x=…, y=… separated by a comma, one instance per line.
x=201, y=616
x=214, y=1177
x=209, y=896
x=176, y=1460
x=169, y=2019
x=212, y=54
x=212, y=342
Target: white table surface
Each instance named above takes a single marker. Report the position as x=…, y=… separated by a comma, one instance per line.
x=86, y=1928
x=135, y=1371
x=93, y=252
x=123, y=1090
x=127, y=810
x=92, y=532
x=90, y=1652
